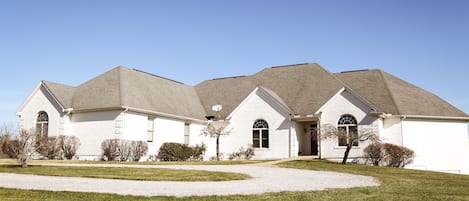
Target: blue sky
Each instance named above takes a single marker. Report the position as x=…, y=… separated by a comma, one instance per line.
x=423, y=42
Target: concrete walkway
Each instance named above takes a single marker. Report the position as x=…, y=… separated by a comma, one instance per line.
x=265, y=179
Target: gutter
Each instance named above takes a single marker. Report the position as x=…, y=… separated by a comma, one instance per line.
x=386, y=115
x=431, y=117
x=163, y=114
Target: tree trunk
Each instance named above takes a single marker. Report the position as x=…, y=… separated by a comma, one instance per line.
x=347, y=151
x=218, y=148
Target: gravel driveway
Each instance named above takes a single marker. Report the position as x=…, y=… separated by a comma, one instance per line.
x=265, y=179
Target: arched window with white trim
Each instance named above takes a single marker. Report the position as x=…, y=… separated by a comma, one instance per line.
x=347, y=127
x=260, y=134
x=42, y=124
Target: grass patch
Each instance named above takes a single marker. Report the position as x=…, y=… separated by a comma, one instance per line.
x=229, y=162
x=396, y=184
x=144, y=174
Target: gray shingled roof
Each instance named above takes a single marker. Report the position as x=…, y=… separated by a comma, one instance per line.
x=395, y=96
x=63, y=93
x=304, y=88
x=131, y=88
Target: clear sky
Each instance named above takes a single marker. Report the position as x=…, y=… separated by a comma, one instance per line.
x=69, y=42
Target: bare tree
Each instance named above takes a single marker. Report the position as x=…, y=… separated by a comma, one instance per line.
x=329, y=131
x=215, y=129
x=26, y=147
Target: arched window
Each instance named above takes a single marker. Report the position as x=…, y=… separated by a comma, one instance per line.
x=260, y=134
x=348, y=131
x=42, y=124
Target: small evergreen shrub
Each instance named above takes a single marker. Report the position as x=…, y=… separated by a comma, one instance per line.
x=171, y=151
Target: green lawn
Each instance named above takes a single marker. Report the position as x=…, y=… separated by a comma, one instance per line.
x=228, y=162
x=396, y=184
x=146, y=174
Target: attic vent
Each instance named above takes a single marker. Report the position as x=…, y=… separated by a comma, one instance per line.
x=352, y=71
x=289, y=65
x=228, y=77
x=157, y=76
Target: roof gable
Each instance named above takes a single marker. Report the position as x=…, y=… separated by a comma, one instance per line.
x=395, y=96
x=63, y=93
x=150, y=92
x=304, y=88
x=103, y=91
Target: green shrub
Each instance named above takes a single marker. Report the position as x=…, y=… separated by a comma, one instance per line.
x=171, y=151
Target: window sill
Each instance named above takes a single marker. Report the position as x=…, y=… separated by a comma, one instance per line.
x=261, y=149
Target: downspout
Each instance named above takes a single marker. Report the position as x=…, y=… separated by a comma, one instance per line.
x=319, y=135
x=123, y=121
x=402, y=129
x=289, y=137
x=68, y=112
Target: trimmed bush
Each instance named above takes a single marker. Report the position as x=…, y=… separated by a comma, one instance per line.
x=374, y=153
x=110, y=149
x=48, y=147
x=11, y=147
x=68, y=146
x=139, y=149
x=123, y=150
x=397, y=156
x=171, y=151
x=388, y=155
x=242, y=153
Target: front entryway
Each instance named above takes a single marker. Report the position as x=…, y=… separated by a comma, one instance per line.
x=308, y=139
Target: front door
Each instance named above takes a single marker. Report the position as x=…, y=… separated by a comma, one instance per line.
x=314, y=139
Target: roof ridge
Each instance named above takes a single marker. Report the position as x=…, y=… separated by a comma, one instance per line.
x=46, y=81
x=231, y=77
x=52, y=93
x=291, y=65
x=393, y=99
x=151, y=74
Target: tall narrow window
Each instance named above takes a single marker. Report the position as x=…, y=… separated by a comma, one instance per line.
x=42, y=124
x=347, y=126
x=186, y=133
x=260, y=134
x=150, y=128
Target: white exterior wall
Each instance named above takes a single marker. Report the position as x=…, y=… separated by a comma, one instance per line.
x=92, y=128
x=41, y=100
x=164, y=130
x=196, y=138
x=439, y=145
x=345, y=103
x=392, y=131
x=258, y=105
